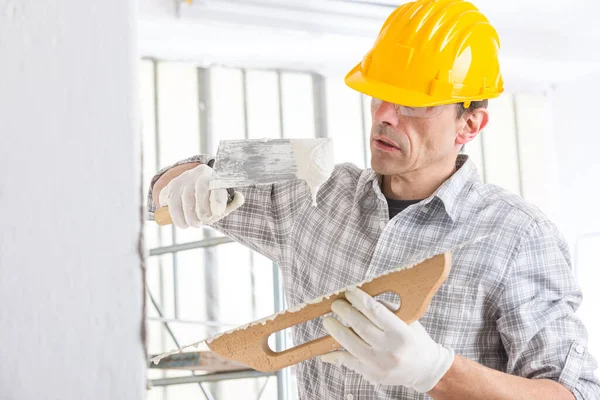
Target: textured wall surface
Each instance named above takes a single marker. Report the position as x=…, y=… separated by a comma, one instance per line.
x=70, y=277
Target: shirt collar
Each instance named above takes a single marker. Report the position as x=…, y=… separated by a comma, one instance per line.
x=452, y=192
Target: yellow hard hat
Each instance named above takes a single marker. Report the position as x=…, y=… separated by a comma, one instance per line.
x=432, y=52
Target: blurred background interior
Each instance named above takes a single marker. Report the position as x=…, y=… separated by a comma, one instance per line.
x=100, y=95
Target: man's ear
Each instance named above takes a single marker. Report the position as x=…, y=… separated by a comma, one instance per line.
x=471, y=124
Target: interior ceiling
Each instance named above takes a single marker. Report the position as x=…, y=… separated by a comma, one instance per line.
x=564, y=31
x=557, y=30
x=533, y=13
x=505, y=5
x=553, y=30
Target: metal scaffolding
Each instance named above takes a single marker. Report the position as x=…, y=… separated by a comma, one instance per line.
x=281, y=376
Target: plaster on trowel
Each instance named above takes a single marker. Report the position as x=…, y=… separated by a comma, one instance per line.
x=241, y=163
x=248, y=344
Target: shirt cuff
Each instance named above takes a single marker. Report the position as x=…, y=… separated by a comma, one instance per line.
x=571, y=372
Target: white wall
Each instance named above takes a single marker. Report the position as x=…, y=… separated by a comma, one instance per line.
x=577, y=134
x=70, y=277
x=158, y=8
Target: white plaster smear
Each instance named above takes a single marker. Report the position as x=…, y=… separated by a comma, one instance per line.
x=314, y=160
x=294, y=309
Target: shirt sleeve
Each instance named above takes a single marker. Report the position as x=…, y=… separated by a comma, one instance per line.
x=542, y=335
x=265, y=221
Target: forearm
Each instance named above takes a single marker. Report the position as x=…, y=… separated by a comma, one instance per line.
x=467, y=379
x=168, y=177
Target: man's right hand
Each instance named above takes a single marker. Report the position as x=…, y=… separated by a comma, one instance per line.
x=190, y=201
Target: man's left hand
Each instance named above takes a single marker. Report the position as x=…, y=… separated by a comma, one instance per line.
x=383, y=348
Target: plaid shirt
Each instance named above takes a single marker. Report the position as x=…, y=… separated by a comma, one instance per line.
x=509, y=302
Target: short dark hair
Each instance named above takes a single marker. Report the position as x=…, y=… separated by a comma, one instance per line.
x=461, y=110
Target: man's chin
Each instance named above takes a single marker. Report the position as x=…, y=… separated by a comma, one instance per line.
x=387, y=167
x=381, y=168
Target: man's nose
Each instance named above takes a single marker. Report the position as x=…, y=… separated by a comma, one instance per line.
x=386, y=114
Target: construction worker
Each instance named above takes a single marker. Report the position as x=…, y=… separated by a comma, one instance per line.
x=503, y=325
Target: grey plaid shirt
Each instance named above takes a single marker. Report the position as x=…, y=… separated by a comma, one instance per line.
x=509, y=302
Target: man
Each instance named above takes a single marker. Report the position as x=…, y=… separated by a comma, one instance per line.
x=503, y=325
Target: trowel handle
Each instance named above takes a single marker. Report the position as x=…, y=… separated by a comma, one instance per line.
x=162, y=216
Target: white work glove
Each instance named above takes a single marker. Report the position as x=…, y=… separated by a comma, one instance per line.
x=190, y=201
x=383, y=348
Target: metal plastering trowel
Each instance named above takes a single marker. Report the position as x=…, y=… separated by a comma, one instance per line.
x=248, y=345
x=241, y=163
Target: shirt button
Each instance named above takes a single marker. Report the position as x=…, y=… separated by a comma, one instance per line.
x=382, y=225
x=350, y=397
x=580, y=349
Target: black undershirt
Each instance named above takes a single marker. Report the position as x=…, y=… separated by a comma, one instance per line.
x=395, y=207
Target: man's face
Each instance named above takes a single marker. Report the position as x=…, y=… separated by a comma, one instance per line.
x=405, y=139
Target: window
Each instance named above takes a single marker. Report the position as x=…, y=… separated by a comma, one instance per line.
x=587, y=262
x=516, y=150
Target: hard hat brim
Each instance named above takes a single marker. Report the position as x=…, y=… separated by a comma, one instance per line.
x=393, y=94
